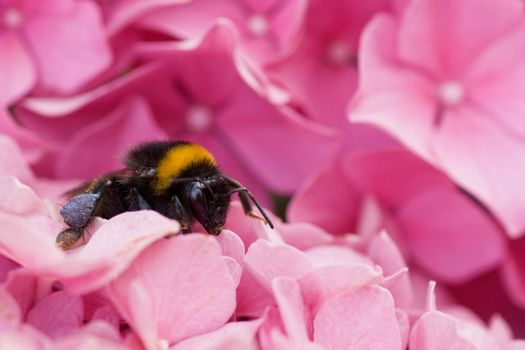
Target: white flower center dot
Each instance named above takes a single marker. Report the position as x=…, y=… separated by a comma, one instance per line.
x=258, y=25
x=163, y=344
x=451, y=93
x=12, y=18
x=198, y=118
x=339, y=52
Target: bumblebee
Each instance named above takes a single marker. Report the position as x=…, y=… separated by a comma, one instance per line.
x=178, y=179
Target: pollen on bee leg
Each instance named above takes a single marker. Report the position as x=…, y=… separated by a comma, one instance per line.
x=255, y=216
x=67, y=238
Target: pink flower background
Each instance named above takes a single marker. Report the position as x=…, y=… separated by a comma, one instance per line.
x=396, y=127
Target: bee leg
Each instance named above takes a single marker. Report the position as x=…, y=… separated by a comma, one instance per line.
x=247, y=207
x=180, y=214
x=247, y=198
x=67, y=238
x=76, y=213
x=137, y=202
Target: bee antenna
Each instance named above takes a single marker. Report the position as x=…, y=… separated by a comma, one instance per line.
x=237, y=187
x=252, y=197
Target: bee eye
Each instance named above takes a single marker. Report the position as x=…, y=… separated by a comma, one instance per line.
x=198, y=200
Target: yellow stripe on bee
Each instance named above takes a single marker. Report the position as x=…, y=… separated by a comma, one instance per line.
x=178, y=159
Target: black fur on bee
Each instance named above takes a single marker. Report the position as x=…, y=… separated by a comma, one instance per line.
x=178, y=179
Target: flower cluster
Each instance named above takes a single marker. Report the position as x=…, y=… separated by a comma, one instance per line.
x=395, y=126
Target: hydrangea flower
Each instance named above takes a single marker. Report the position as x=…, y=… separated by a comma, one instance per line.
x=399, y=221
x=56, y=47
x=454, y=107
x=202, y=98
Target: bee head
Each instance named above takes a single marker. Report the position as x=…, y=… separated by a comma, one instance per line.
x=210, y=208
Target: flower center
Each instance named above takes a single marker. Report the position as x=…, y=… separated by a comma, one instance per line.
x=339, y=53
x=163, y=344
x=199, y=118
x=451, y=93
x=258, y=25
x=12, y=18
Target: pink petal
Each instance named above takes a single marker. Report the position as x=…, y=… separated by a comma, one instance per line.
x=242, y=226
x=437, y=330
x=176, y=289
x=101, y=329
x=277, y=341
x=487, y=162
x=384, y=172
x=111, y=249
x=12, y=161
x=323, y=85
x=404, y=327
x=516, y=345
x=192, y=19
x=37, y=229
x=496, y=79
x=233, y=335
x=26, y=338
x=384, y=84
x=87, y=341
x=231, y=245
x=108, y=314
x=235, y=269
x=57, y=315
x=6, y=265
x=385, y=253
x=430, y=28
x=303, y=76
x=70, y=47
x=28, y=141
x=514, y=272
x=252, y=297
x=265, y=261
x=18, y=198
x=301, y=145
x=333, y=255
x=131, y=124
x=324, y=283
x=500, y=329
x=455, y=244
x=326, y=190
x=303, y=235
x=233, y=251
x=272, y=324
x=16, y=69
x=294, y=315
x=124, y=13
x=361, y=319
x=10, y=314
x=23, y=287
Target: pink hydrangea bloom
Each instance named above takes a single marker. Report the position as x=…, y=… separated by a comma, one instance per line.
x=267, y=28
x=454, y=245
x=454, y=107
x=55, y=47
x=264, y=85
x=321, y=74
x=202, y=99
